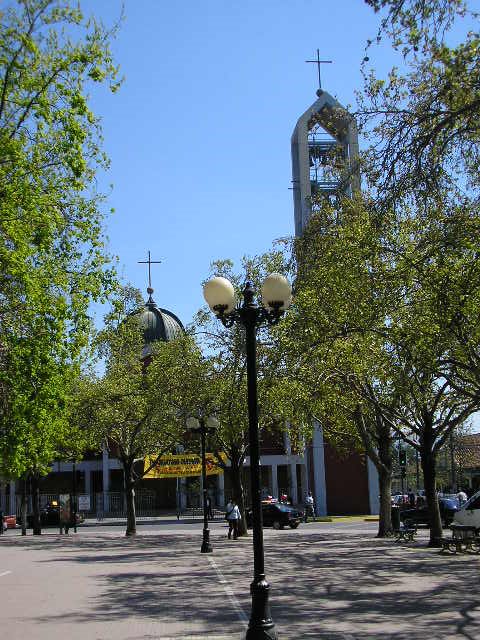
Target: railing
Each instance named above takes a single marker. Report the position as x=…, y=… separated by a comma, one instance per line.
x=14, y=507
x=114, y=504
x=108, y=505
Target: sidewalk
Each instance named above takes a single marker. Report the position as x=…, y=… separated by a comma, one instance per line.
x=327, y=583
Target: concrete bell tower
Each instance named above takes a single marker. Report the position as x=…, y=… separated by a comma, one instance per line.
x=325, y=165
x=324, y=154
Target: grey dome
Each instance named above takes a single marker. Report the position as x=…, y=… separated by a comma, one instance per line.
x=158, y=324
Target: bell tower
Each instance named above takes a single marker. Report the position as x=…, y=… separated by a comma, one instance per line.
x=324, y=154
x=325, y=165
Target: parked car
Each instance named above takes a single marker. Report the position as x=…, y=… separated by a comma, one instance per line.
x=469, y=512
x=277, y=515
x=50, y=516
x=419, y=515
x=9, y=522
x=400, y=499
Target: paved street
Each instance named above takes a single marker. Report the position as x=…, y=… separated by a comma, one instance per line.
x=328, y=580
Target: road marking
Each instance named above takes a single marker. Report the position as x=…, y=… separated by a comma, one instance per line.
x=5, y=573
x=229, y=592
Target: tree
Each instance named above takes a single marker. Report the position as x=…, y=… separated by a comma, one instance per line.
x=368, y=327
x=423, y=122
x=139, y=405
x=224, y=348
x=338, y=294
x=53, y=260
x=422, y=165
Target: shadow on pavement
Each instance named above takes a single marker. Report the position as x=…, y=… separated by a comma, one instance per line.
x=325, y=586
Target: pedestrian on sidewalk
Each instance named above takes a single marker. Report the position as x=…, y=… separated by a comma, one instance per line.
x=411, y=498
x=209, y=508
x=309, y=506
x=232, y=515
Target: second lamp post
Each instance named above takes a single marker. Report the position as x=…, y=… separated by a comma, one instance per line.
x=204, y=427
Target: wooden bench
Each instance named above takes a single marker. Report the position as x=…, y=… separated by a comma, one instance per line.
x=407, y=532
x=464, y=538
x=196, y=513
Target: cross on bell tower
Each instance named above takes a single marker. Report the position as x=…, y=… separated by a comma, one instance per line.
x=318, y=62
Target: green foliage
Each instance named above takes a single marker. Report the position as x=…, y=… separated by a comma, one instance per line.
x=280, y=399
x=373, y=295
x=141, y=402
x=423, y=168
x=415, y=24
x=52, y=254
x=423, y=123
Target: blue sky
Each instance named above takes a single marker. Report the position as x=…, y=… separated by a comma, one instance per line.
x=199, y=133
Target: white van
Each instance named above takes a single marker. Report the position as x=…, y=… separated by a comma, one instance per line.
x=469, y=512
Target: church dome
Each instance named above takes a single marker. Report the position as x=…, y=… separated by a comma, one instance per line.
x=157, y=323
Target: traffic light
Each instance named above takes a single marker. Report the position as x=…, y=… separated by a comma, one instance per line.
x=402, y=457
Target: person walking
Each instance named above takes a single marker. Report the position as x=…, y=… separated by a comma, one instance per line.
x=232, y=515
x=309, y=506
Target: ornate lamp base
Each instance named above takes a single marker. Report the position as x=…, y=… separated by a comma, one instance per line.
x=206, y=546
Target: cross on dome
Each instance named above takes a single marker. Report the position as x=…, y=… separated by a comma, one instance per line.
x=149, y=262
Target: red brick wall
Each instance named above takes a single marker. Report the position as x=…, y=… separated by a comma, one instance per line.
x=346, y=478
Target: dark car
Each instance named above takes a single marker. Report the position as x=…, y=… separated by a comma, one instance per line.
x=419, y=515
x=277, y=515
x=50, y=516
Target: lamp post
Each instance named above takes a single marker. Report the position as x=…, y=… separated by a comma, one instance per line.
x=204, y=427
x=73, y=505
x=276, y=297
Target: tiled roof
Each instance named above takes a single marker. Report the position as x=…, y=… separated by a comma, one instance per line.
x=467, y=451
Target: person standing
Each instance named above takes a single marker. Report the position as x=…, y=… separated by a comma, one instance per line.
x=461, y=497
x=309, y=506
x=411, y=498
x=233, y=516
x=209, y=508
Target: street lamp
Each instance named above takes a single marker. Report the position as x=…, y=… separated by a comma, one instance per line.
x=73, y=505
x=276, y=297
x=204, y=427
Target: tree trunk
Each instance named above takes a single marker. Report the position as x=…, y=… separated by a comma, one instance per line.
x=37, y=527
x=385, y=517
x=429, y=479
x=130, y=500
x=235, y=471
x=384, y=439
x=377, y=440
x=24, y=507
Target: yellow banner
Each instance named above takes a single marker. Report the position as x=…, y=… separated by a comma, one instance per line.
x=182, y=465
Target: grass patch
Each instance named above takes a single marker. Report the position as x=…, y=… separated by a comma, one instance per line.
x=349, y=518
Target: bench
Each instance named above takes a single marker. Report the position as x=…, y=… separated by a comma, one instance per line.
x=406, y=531
x=196, y=513
x=464, y=538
